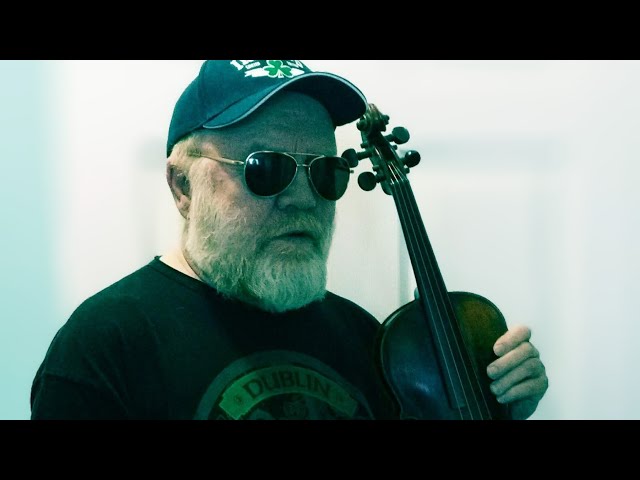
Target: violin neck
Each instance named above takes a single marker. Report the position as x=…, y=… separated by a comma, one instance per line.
x=429, y=280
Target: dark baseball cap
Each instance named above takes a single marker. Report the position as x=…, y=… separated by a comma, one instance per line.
x=226, y=91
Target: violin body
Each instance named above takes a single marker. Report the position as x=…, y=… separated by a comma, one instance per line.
x=411, y=366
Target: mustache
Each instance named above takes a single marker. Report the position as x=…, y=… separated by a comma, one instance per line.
x=304, y=223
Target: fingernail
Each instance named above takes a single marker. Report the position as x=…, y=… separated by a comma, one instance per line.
x=499, y=349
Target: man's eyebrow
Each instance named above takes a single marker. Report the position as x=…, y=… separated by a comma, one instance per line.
x=256, y=146
x=241, y=152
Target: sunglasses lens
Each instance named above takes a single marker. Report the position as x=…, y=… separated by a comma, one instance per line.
x=330, y=176
x=269, y=173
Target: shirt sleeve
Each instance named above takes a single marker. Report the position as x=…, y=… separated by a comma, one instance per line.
x=97, y=366
x=57, y=398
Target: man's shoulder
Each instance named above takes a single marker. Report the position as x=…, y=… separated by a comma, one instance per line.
x=150, y=287
x=350, y=308
x=149, y=281
x=337, y=299
x=135, y=285
x=118, y=320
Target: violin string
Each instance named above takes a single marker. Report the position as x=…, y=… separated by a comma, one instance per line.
x=445, y=299
x=456, y=332
x=412, y=243
x=436, y=289
x=410, y=208
x=470, y=371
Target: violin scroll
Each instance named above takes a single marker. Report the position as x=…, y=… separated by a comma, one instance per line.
x=381, y=150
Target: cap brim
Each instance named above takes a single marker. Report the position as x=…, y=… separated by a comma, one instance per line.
x=343, y=100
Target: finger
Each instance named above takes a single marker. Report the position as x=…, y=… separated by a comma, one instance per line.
x=509, y=361
x=530, y=368
x=511, y=339
x=530, y=389
x=523, y=409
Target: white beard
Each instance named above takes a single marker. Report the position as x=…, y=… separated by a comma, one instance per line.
x=241, y=261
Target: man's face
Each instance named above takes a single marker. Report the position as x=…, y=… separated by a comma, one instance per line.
x=270, y=252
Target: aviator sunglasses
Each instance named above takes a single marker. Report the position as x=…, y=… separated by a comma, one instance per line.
x=268, y=173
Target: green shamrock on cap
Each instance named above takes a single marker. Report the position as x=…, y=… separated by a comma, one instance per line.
x=276, y=69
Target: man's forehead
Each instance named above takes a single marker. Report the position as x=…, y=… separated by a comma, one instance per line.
x=241, y=147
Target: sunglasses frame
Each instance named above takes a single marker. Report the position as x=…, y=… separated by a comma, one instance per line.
x=307, y=166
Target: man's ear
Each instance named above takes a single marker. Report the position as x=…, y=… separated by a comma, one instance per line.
x=180, y=188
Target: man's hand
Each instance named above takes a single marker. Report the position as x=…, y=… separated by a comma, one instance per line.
x=519, y=377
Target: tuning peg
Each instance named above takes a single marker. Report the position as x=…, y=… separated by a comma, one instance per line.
x=352, y=157
x=411, y=158
x=367, y=181
x=398, y=135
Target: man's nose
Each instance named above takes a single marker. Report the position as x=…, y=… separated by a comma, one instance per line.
x=300, y=194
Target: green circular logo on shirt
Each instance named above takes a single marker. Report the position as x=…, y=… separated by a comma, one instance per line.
x=281, y=385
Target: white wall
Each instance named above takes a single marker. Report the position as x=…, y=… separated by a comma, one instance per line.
x=527, y=190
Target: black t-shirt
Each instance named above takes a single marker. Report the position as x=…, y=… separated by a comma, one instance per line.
x=159, y=344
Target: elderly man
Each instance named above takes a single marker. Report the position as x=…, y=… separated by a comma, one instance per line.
x=237, y=322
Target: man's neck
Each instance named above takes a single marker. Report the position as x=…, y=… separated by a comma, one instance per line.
x=175, y=259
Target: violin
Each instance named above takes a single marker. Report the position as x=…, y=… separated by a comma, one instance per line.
x=432, y=352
